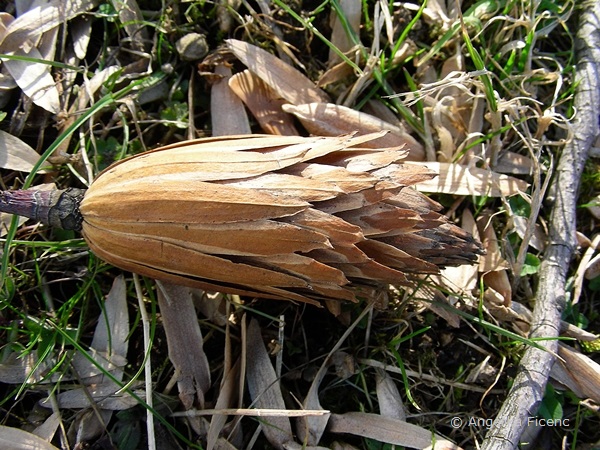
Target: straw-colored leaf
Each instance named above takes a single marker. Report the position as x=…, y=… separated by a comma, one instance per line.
x=514, y=164
x=492, y=264
x=88, y=425
x=81, y=33
x=16, y=439
x=105, y=396
x=457, y=179
x=288, y=82
x=18, y=369
x=48, y=428
x=538, y=239
x=26, y=29
x=462, y=279
x=133, y=22
x=228, y=398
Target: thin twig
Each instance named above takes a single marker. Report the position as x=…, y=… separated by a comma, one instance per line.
x=528, y=388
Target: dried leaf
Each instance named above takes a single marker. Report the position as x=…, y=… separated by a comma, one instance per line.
x=228, y=115
x=578, y=372
x=184, y=340
x=103, y=396
x=24, y=32
x=133, y=22
x=263, y=103
x=492, y=264
x=388, y=397
x=340, y=38
x=16, y=439
x=462, y=279
x=281, y=77
x=228, y=397
x=110, y=336
x=23, y=39
x=327, y=119
x=81, y=32
x=19, y=369
x=88, y=425
x=47, y=429
x=539, y=238
x=35, y=80
x=514, y=163
x=383, y=429
x=457, y=179
x=264, y=388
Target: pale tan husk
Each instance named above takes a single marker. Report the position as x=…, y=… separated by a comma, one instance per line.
x=284, y=217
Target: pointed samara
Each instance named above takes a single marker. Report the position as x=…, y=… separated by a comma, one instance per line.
x=285, y=217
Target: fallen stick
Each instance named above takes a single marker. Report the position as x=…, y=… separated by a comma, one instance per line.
x=529, y=385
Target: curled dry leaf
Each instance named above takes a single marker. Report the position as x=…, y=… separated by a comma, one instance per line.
x=327, y=119
x=295, y=218
x=578, y=372
x=263, y=103
x=288, y=82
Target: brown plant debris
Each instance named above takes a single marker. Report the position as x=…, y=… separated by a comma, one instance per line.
x=294, y=218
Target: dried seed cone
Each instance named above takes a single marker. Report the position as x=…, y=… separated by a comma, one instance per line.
x=281, y=217
x=295, y=218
